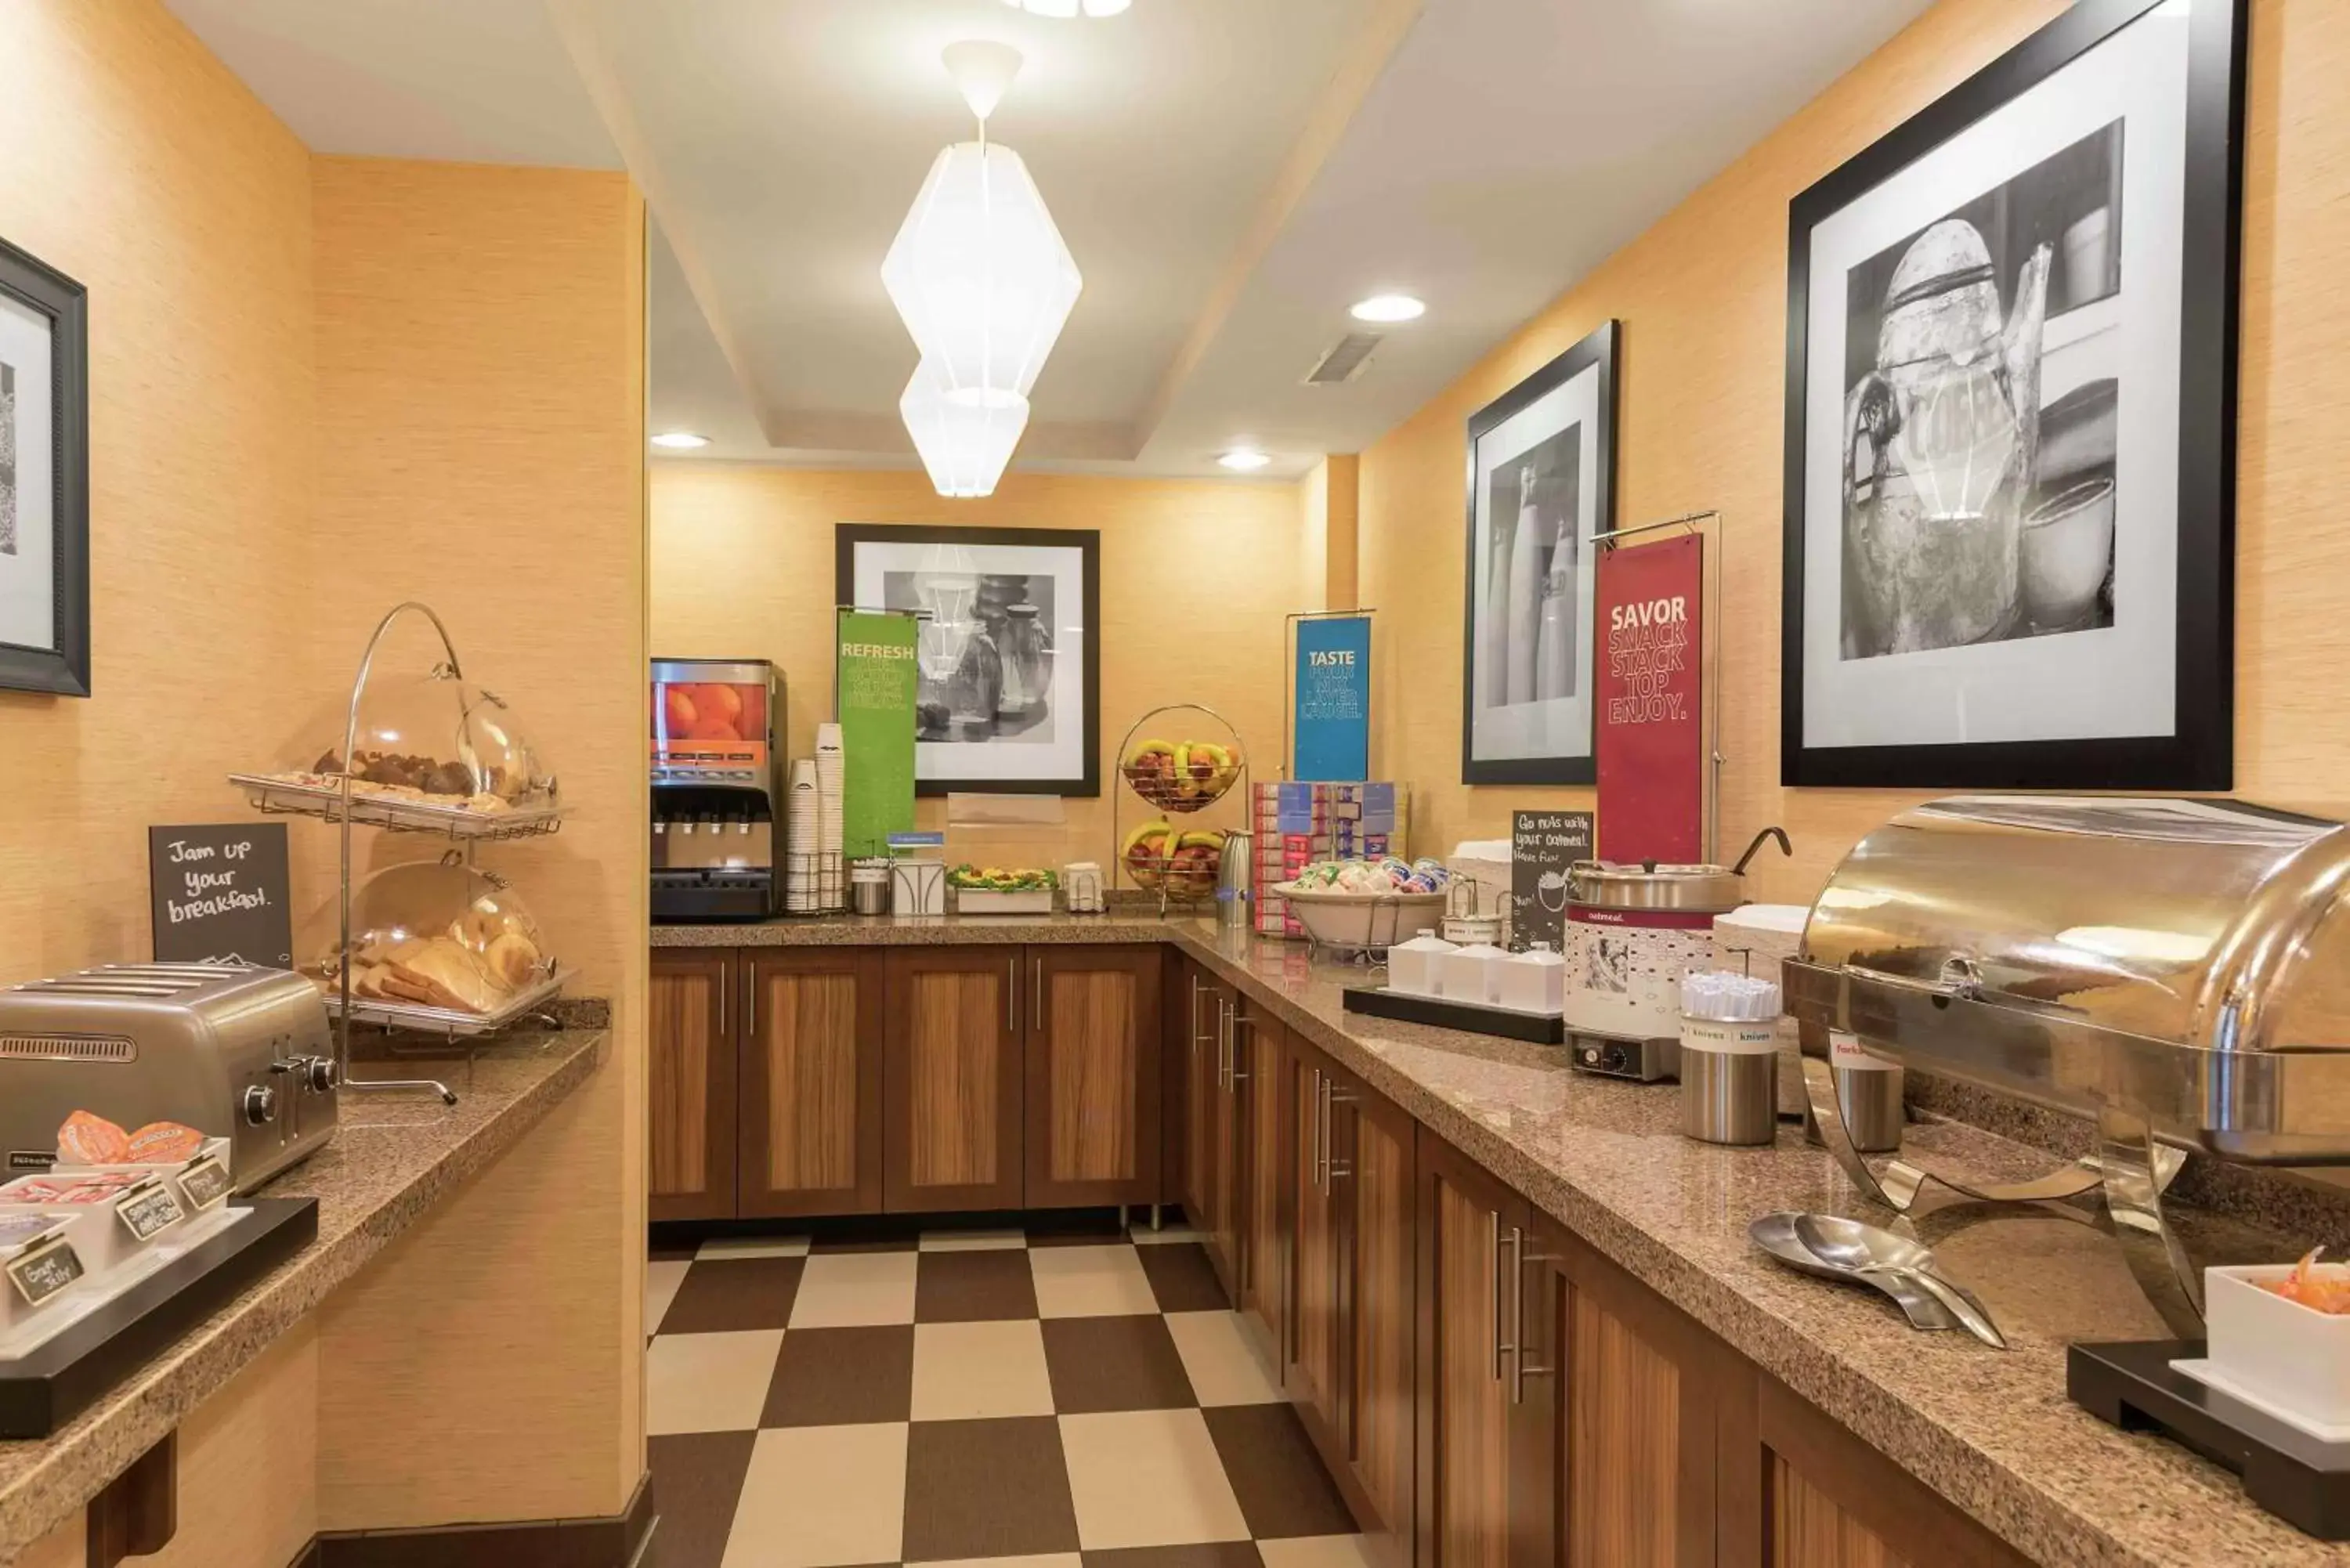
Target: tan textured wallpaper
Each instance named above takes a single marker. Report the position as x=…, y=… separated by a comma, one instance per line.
x=1702, y=297
x=131, y=160
x=480, y=337
x=1196, y=577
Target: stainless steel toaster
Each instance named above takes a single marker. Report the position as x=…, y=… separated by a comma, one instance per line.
x=236, y=1053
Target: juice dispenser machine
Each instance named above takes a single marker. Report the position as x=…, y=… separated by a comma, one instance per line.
x=716, y=789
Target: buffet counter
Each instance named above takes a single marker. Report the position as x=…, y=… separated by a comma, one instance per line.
x=1993, y=1433
x=394, y=1159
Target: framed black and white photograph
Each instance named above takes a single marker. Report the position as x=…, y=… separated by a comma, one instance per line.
x=44, y=478
x=1009, y=657
x=2010, y=382
x=1541, y=484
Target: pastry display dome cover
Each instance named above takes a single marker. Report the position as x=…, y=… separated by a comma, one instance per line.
x=430, y=751
x=436, y=944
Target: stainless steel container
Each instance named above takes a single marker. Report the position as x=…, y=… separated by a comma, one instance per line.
x=1729, y=1081
x=868, y=887
x=2184, y=961
x=1236, y=878
x=2177, y=971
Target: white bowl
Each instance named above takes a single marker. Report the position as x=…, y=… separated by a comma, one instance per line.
x=1368, y=922
x=2291, y=1358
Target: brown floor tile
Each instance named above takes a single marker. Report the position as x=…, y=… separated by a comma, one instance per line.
x=1076, y=1228
x=1214, y=1554
x=735, y=1294
x=1114, y=1363
x=974, y=1287
x=1182, y=1278
x=986, y=1489
x=697, y=1479
x=842, y=1377
x=1275, y=1473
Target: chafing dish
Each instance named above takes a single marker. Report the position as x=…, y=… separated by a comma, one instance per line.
x=2175, y=970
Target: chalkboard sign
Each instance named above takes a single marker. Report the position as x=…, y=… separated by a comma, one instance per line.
x=1543, y=845
x=220, y=894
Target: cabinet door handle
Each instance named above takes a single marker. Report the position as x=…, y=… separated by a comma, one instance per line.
x=1519, y=1369
x=1333, y=1168
x=1517, y=1345
x=1314, y=1136
x=1011, y=996
x=1322, y=1115
x=1038, y=995
x=1494, y=1272
x=750, y=1001
x=725, y=998
x=1233, y=1074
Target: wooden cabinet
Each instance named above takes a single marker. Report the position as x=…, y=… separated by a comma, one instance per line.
x=1615, y=1390
x=1800, y=1492
x=1478, y=1499
x=690, y=1086
x=950, y=1074
x=1092, y=1062
x=1349, y=1353
x=809, y=1064
x=1260, y=1063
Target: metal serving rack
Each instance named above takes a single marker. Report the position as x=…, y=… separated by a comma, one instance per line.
x=2167, y=969
x=1169, y=896
x=340, y=807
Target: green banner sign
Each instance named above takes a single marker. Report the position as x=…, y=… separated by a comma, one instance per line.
x=875, y=698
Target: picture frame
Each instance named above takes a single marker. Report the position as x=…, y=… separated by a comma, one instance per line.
x=1009, y=687
x=2009, y=528
x=1541, y=477
x=44, y=478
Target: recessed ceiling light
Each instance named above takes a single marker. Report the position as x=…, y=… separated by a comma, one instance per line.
x=1071, y=7
x=1388, y=307
x=1247, y=459
x=681, y=441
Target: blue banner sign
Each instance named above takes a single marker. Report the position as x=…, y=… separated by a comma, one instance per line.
x=1332, y=720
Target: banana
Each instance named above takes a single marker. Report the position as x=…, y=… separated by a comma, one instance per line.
x=1141, y=833
x=1147, y=748
x=1220, y=756
x=1206, y=838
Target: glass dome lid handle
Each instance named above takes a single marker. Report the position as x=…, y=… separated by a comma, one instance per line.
x=343, y=963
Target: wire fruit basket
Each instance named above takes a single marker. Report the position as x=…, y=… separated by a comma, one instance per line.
x=1178, y=861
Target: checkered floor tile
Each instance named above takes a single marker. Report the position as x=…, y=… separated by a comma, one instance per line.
x=1074, y=1396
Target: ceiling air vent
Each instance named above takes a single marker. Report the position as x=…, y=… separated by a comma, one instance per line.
x=1346, y=362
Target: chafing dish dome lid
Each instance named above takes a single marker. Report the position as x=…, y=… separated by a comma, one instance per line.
x=2211, y=923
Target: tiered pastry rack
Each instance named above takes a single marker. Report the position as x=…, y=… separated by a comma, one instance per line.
x=338, y=806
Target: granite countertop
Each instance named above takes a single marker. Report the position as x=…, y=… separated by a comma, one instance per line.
x=1991, y=1432
x=394, y=1157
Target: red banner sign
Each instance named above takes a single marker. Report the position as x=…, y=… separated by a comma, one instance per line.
x=1650, y=728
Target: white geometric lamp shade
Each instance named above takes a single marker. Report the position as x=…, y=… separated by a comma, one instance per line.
x=980, y=274
x=965, y=443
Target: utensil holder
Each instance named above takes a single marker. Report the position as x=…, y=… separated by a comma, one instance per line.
x=1729, y=1081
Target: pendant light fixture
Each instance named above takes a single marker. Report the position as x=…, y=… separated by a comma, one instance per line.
x=979, y=273
x=964, y=446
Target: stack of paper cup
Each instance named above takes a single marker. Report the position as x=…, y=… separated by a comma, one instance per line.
x=804, y=830
x=831, y=774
